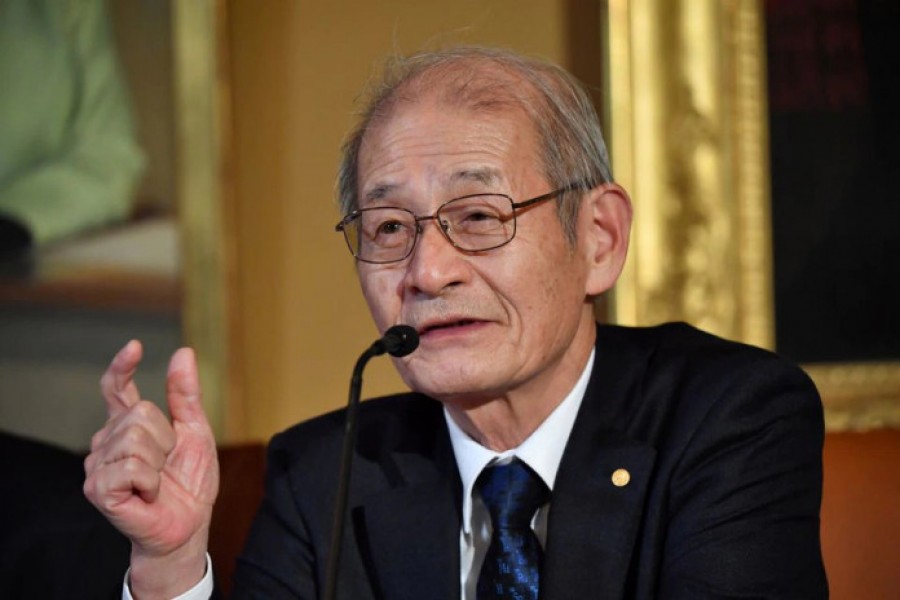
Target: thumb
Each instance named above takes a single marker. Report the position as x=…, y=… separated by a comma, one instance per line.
x=183, y=389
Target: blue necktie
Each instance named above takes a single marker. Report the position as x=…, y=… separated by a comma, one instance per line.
x=511, y=570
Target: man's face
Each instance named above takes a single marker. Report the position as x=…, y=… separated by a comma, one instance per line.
x=516, y=317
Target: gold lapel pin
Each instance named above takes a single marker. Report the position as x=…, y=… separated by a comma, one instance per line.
x=621, y=477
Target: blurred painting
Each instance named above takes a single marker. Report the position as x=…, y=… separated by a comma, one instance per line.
x=833, y=94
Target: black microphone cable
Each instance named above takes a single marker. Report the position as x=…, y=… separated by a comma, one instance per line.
x=397, y=341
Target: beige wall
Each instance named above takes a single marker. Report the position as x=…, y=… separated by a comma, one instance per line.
x=295, y=69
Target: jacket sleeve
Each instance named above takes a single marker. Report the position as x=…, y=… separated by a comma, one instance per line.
x=745, y=497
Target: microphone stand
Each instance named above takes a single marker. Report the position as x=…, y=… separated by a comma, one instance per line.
x=399, y=340
x=340, y=503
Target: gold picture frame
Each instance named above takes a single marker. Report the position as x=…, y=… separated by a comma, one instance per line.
x=686, y=114
x=206, y=231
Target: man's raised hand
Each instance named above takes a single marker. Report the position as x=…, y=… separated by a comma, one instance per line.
x=156, y=479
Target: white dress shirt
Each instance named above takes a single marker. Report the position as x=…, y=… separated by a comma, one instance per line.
x=542, y=451
x=201, y=591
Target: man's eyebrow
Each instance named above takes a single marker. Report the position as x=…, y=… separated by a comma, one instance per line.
x=379, y=192
x=486, y=176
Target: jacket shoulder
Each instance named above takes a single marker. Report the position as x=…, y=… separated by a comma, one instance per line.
x=679, y=348
x=385, y=423
x=675, y=376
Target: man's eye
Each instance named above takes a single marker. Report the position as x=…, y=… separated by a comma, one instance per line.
x=478, y=220
x=390, y=227
x=481, y=216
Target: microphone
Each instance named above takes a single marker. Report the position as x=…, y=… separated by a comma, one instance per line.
x=398, y=341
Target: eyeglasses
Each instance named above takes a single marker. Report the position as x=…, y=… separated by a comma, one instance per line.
x=473, y=223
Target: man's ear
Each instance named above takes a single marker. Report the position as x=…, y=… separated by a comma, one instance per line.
x=604, y=223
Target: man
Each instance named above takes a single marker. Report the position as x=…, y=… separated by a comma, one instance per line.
x=659, y=463
x=69, y=156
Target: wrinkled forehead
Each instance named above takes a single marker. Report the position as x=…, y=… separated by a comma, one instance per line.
x=466, y=88
x=454, y=143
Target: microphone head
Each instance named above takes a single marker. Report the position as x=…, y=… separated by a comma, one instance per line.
x=400, y=340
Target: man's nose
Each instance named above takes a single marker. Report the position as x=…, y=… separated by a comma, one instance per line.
x=435, y=263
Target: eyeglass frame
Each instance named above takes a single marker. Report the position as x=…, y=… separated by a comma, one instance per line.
x=417, y=219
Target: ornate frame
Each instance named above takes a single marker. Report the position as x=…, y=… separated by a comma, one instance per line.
x=205, y=226
x=687, y=105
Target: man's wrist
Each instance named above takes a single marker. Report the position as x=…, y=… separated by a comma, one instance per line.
x=202, y=591
x=163, y=577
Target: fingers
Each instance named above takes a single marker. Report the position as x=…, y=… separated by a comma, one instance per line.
x=154, y=479
x=183, y=389
x=117, y=384
x=133, y=447
x=111, y=485
x=143, y=429
x=143, y=420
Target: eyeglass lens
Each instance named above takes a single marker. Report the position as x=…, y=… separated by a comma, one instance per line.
x=472, y=223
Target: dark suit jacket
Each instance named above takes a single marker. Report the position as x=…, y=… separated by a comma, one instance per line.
x=723, y=443
x=53, y=543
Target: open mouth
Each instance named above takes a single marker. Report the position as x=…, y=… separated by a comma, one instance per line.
x=448, y=325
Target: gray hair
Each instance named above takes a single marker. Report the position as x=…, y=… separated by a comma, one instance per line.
x=573, y=152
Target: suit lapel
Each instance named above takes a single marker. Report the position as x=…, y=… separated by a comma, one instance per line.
x=411, y=531
x=413, y=528
x=594, y=520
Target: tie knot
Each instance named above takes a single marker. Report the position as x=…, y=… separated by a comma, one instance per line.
x=512, y=494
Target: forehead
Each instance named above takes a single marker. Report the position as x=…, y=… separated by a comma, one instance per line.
x=430, y=138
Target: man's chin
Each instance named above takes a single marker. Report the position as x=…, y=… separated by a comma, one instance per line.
x=453, y=371
x=446, y=388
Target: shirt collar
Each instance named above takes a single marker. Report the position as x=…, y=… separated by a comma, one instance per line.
x=542, y=450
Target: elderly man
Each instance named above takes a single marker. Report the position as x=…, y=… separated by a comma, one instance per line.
x=539, y=454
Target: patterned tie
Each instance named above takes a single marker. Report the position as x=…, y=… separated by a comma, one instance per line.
x=512, y=494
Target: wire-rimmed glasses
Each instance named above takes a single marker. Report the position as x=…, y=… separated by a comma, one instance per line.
x=473, y=223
